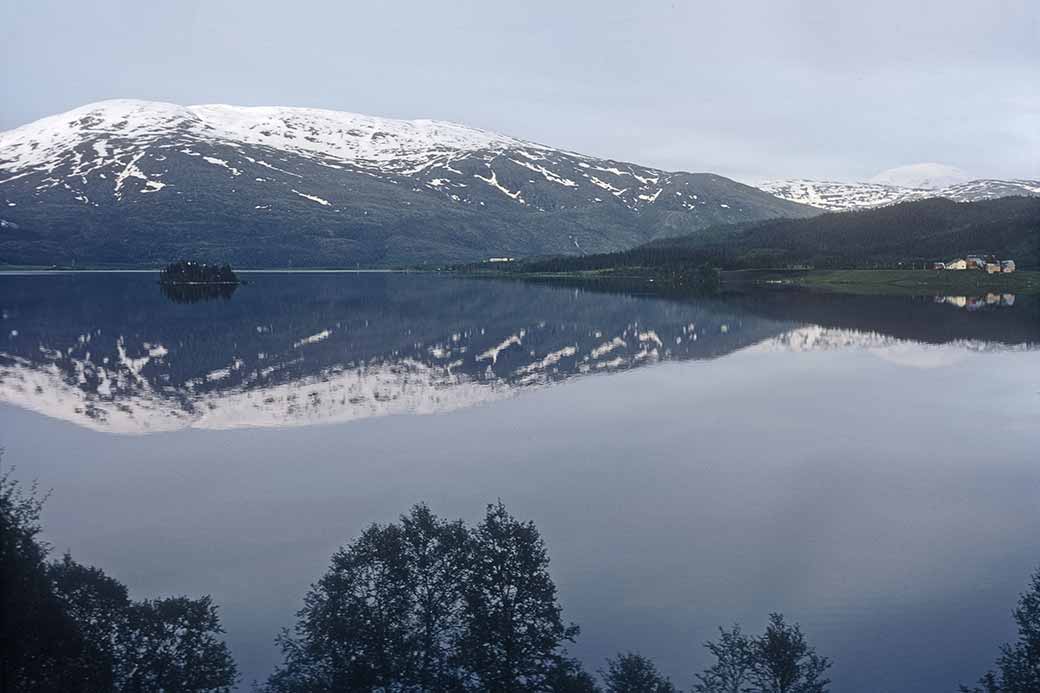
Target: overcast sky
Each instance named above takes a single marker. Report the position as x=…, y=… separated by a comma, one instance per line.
x=752, y=90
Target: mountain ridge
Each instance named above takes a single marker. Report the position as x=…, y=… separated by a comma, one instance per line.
x=131, y=182
x=836, y=196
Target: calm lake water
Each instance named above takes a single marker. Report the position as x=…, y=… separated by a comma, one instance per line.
x=868, y=466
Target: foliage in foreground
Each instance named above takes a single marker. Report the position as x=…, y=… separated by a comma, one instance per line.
x=427, y=604
x=778, y=661
x=1018, y=665
x=423, y=605
x=69, y=627
x=634, y=673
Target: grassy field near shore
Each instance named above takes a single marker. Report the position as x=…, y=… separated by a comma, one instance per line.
x=948, y=282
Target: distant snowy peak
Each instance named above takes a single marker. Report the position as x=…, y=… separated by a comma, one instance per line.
x=838, y=196
x=924, y=176
x=834, y=195
x=895, y=185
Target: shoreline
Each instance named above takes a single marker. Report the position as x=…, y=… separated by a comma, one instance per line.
x=16, y=270
x=857, y=281
x=860, y=281
x=888, y=281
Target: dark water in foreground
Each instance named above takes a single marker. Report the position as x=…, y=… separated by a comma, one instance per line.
x=868, y=466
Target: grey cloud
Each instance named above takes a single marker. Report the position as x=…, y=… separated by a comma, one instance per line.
x=751, y=89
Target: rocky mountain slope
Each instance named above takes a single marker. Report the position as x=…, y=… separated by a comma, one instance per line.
x=836, y=196
x=138, y=183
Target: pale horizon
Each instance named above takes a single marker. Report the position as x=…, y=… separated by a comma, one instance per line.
x=753, y=93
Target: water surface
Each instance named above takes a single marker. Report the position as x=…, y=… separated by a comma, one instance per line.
x=868, y=466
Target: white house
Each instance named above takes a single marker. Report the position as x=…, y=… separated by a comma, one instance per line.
x=957, y=265
x=1007, y=266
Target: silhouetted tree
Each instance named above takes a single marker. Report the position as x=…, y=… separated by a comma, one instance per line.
x=1018, y=666
x=734, y=655
x=437, y=553
x=40, y=645
x=634, y=673
x=98, y=605
x=352, y=631
x=172, y=644
x=386, y=616
x=568, y=676
x=785, y=663
x=514, y=632
x=427, y=605
x=169, y=644
x=71, y=628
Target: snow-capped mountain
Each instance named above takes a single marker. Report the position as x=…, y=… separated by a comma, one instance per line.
x=136, y=182
x=838, y=196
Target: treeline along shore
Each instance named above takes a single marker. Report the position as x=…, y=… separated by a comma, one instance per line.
x=892, y=247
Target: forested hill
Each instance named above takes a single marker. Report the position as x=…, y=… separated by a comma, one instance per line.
x=908, y=233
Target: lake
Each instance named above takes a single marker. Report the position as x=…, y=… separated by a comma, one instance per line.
x=866, y=465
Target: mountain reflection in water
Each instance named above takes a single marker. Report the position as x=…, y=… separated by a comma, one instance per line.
x=112, y=353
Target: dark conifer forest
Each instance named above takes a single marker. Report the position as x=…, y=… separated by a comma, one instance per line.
x=912, y=234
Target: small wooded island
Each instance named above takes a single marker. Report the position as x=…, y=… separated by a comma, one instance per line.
x=190, y=272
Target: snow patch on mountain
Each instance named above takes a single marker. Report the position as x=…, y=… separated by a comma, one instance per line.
x=313, y=198
x=307, y=131
x=493, y=182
